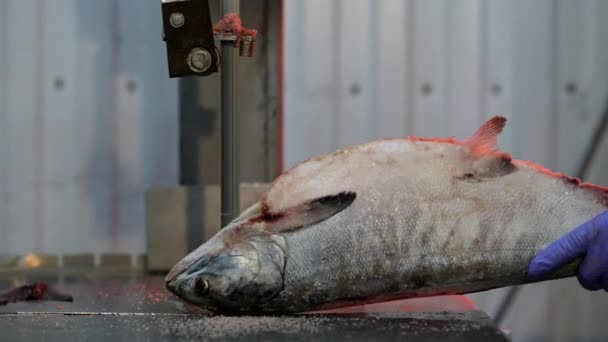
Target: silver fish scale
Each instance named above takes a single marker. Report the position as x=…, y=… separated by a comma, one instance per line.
x=395, y=240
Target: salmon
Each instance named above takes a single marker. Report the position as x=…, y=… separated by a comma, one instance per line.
x=386, y=220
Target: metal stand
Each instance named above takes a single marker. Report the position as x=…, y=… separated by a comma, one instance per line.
x=191, y=50
x=230, y=141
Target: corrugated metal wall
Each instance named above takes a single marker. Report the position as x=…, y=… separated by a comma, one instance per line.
x=363, y=69
x=357, y=70
x=88, y=121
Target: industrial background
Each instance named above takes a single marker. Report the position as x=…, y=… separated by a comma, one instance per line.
x=90, y=121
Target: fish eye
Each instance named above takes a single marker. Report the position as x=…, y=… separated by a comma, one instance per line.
x=201, y=286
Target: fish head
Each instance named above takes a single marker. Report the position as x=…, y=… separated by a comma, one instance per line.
x=235, y=271
x=241, y=268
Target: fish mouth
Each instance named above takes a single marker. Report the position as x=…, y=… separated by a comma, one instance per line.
x=178, y=269
x=170, y=285
x=177, y=289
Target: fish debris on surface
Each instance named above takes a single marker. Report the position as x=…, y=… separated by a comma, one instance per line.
x=34, y=292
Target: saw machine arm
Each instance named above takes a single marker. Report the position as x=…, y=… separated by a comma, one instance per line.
x=191, y=37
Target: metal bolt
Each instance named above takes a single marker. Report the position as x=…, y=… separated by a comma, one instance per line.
x=247, y=46
x=496, y=89
x=131, y=86
x=571, y=88
x=199, y=60
x=59, y=83
x=426, y=89
x=177, y=20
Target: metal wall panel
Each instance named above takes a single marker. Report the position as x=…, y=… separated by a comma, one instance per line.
x=372, y=69
x=25, y=226
x=89, y=122
x=310, y=86
x=4, y=212
x=497, y=65
x=464, y=85
x=392, y=67
x=571, y=50
x=534, y=81
x=354, y=51
x=441, y=68
x=437, y=68
x=429, y=48
x=56, y=128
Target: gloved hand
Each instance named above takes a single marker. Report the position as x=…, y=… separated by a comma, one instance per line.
x=590, y=241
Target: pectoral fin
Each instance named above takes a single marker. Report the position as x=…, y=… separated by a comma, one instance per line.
x=307, y=213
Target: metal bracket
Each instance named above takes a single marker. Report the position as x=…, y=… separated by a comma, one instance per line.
x=188, y=34
x=191, y=39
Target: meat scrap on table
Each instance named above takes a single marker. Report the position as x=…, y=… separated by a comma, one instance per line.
x=33, y=292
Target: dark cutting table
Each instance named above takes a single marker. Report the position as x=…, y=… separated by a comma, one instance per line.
x=134, y=308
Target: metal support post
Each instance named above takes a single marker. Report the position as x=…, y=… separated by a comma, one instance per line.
x=230, y=140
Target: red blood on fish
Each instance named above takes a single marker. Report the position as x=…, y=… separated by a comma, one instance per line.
x=565, y=177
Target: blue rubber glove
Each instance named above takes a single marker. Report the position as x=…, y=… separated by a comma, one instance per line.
x=590, y=241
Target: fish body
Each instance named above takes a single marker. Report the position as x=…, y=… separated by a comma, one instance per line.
x=390, y=219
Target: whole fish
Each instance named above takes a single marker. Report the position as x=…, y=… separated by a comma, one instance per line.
x=386, y=220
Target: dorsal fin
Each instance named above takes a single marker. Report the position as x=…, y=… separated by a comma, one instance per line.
x=485, y=139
